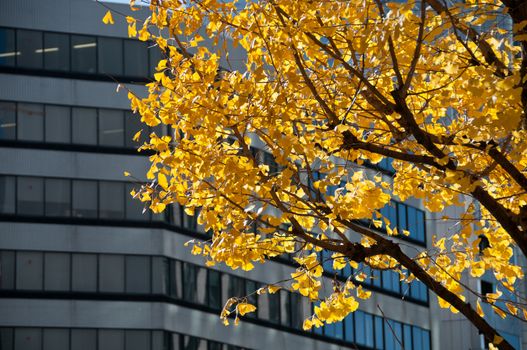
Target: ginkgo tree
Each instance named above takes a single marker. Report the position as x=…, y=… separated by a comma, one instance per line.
x=329, y=89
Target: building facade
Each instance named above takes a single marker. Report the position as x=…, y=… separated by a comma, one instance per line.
x=81, y=265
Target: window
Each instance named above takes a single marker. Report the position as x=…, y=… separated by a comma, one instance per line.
x=138, y=274
x=364, y=328
x=83, y=339
x=486, y=287
x=137, y=340
x=84, y=273
x=155, y=55
x=194, y=283
x=56, y=339
x=111, y=128
x=7, y=270
x=193, y=343
x=7, y=47
x=29, y=270
x=407, y=337
x=390, y=281
x=111, y=339
x=30, y=122
x=84, y=126
x=214, y=289
x=57, y=271
x=379, y=339
x=7, y=194
x=56, y=52
x=160, y=275
x=7, y=115
x=28, y=338
x=57, y=124
x=83, y=54
x=84, y=199
x=111, y=273
x=30, y=196
x=134, y=207
x=393, y=335
x=58, y=197
x=135, y=59
x=29, y=49
x=111, y=200
x=349, y=328
x=132, y=126
x=110, y=55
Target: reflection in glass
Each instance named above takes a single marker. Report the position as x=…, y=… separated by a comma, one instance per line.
x=7, y=47
x=29, y=47
x=83, y=54
x=7, y=120
x=56, y=52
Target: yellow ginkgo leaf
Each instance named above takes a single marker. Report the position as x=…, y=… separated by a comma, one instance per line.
x=245, y=308
x=108, y=18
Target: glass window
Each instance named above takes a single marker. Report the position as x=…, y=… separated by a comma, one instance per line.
x=390, y=281
x=7, y=194
x=83, y=54
x=194, y=282
x=401, y=217
x=137, y=340
x=83, y=339
x=7, y=47
x=57, y=271
x=110, y=55
x=364, y=328
x=111, y=200
x=155, y=55
x=111, y=273
x=29, y=46
x=30, y=196
x=135, y=59
x=57, y=124
x=84, y=126
x=138, y=274
x=30, y=122
x=417, y=343
x=274, y=307
x=28, y=338
x=56, y=339
x=84, y=272
x=412, y=222
x=58, y=197
x=6, y=338
x=407, y=337
x=214, y=289
x=159, y=340
x=56, y=52
x=29, y=270
x=420, y=226
x=212, y=345
x=297, y=318
x=84, y=199
x=132, y=125
x=111, y=127
x=160, y=275
x=134, y=207
x=349, y=328
x=193, y=343
x=111, y=339
x=236, y=287
x=7, y=117
x=7, y=270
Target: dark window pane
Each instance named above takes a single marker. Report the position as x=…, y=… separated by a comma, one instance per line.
x=7, y=119
x=111, y=127
x=274, y=307
x=83, y=54
x=57, y=271
x=110, y=55
x=111, y=200
x=83, y=339
x=133, y=125
x=193, y=343
x=84, y=126
x=56, y=52
x=29, y=270
x=160, y=273
x=137, y=340
x=412, y=222
x=407, y=330
x=138, y=274
x=58, y=124
x=7, y=270
x=401, y=217
x=297, y=318
x=155, y=55
x=58, y=197
x=420, y=226
x=7, y=194
x=30, y=122
x=7, y=47
x=135, y=59
x=214, y=289
x=30, y=195
x=6, y=338
x=159, y=340
x=134, y=207
x=379, y=335
x=84, y=199
x=84, y=272
x=194, y=283
x=349, y=328
x=56, y=339
x=111, y=273
x=28, y=338
x=29, y=44
x=364, y=328
x=111, y=339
